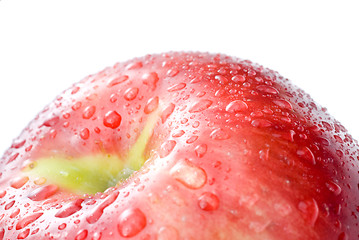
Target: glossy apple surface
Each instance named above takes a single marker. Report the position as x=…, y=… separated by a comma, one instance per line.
x=181, y=146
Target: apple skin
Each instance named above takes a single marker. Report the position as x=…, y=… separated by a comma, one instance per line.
x=236, y=151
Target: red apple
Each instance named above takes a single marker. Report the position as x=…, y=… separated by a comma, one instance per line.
x=181, y=146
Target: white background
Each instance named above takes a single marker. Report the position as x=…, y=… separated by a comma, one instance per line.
x=45, y=46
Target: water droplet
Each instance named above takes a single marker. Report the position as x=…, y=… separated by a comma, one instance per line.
x=28, y=220
x=201, y=150
x=24, y=234
x=177, y=134
x=306, y=154
x=43, y=193
x=150, y=79
x=96, y=236
x=131, y=222
x=131, y=93
x=310, y=211
x=9, y=205
x=89, y=112
x=13, y=157
x=333, y=187
x=112, y=120
x=51, y=122
x=191, y=139
x=261, y=123
x=172, y=72
x=189, y=174
x=236, y=106
x=282, y=103
x=221, y=79
x=117, y=80
x=113, y=97
x=200, y=106
x=75, y=90
x=167, y=147
x=2, y=193
x=134, y=65
x=176, y=87
x=70, y=208
x=151, y=105
x=219, y=134
x=18, y=144
x=85, y=133
x=19, y=182
x=238, y=78
x=167, y=112
x=98, y=211
x=343, y=236
x=267, y=89
x=208, y=202
x=76, y=106
x=15, y=213
x=167, y=232
x=62, y=226
x=81, y=235
x=2, y=233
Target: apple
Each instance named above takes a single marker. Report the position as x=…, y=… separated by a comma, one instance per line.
x=181, y=146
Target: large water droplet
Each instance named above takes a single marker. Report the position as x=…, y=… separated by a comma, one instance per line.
x=28, y=220
x=81, y=235
x=189, y=174
x=112, y=119
x=131, y=93
x=98, y=211
x=150, y=79
x=85, y=133
x=131, y=222
x=200, y=106
x=310, y=211
x=23, y=234
x=282, y=103
x=43, y=193
x=70, y=208
x=238, y=78
x=267, y=89
x=117, y=80
x=89, y=112
x=334, y=187
x=236, y=106
x=151, y=105
x=19, y=182
x=200, y=150
x=208, y=201
x=306, y=154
